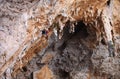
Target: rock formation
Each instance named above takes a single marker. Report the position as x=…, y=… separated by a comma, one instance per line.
x=59, y=39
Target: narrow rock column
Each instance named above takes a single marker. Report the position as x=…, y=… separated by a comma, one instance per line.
x=107, y=20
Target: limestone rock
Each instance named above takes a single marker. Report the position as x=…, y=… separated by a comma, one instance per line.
x=70, y=38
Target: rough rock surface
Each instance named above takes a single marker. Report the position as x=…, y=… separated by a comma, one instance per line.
x=60, y=39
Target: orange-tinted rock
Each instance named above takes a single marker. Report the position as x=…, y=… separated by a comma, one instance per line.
x=22, y=22
x=43, y=73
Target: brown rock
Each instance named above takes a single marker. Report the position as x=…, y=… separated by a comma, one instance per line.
x=43, y=73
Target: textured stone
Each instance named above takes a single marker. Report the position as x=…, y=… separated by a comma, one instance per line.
x=43, y=73
x=75, y=31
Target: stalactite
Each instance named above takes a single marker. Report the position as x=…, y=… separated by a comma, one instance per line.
x=83, y=35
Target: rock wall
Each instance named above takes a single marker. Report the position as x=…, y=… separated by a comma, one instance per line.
x=64, y=39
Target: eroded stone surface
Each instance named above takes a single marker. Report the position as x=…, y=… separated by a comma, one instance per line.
x=97, y=42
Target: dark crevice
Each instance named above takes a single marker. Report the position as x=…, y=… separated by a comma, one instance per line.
x=24, y=68
x=63, y=73
x=108, y=2
x=103, y=41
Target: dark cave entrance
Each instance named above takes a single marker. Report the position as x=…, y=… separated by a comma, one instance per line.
x=72, y=53
x=80, y=29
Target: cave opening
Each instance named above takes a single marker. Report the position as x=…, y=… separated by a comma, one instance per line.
x=80, y=29
x=72, y=54
x=67, y=49
x=80, y=26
